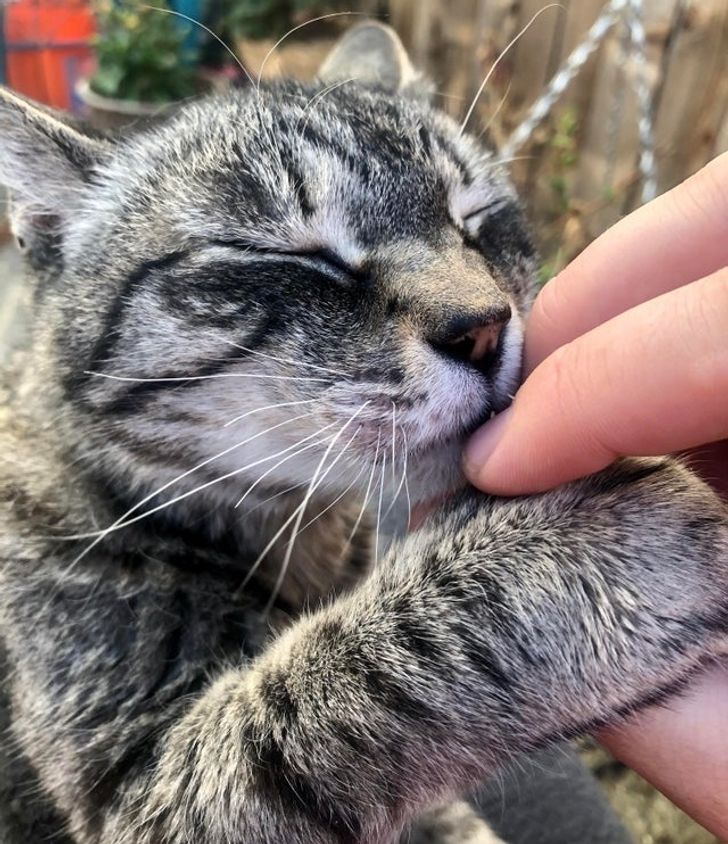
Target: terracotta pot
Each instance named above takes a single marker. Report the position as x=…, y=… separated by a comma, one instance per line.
x=106, y=113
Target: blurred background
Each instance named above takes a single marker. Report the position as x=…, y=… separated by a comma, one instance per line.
x=646, y=108
x=578, y=172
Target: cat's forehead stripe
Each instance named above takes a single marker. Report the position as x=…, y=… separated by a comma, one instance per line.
x=347, y=171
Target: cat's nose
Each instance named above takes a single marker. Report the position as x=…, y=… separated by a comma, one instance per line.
x=475, y=338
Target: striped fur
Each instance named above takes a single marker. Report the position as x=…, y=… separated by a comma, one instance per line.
x=249, y=322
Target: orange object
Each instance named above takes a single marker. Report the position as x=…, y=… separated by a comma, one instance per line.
x=48, y=48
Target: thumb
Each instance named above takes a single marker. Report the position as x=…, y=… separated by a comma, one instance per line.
x=650, y=381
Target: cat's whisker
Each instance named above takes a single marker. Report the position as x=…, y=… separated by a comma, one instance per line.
x=379, y=509
x=336, y=500
x=448, y=96
x=301, y=510
x=212, y=377
x=123, y=520
x=295, y=29
x=267, y=407
x=500, y=58
x=397, y=492
x=166, y=504
x=278, y=494
x=267, y=472
x=296, y=530
x=210, y=32
x=296, y=363
x=365, y=502
x=233, y=473
x=294, y=515
x=492, y=118
x=406, y=480
x=317, y=98
x=498, y=162
x=394, y=443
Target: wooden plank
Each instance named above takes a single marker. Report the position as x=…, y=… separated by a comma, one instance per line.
x=606, y=178
x=459, y=40
x=531, y=57
x=495, y=25
x=581, y=15
x=297, y=58
x=416, y=22
x=721, y=142
x=695, y=92
x=452, y=66
x=401, y=13
x=537, y=52
x=425, y=32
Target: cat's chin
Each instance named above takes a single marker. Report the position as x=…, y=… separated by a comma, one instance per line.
x=436, y=473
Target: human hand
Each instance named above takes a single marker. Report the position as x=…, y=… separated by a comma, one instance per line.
x=626, y=350
x=627, y=354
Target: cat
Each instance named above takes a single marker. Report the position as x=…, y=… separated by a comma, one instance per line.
x=274, y=313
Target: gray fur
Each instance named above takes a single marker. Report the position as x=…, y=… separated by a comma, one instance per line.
x=191, y=675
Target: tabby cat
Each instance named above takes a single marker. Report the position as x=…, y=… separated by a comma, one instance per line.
x=256, y=323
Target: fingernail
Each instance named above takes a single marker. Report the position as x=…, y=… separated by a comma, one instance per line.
x=482, y=444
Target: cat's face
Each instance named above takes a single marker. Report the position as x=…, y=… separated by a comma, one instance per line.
x=305, y=279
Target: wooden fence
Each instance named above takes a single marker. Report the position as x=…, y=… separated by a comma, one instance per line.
x=579, y=172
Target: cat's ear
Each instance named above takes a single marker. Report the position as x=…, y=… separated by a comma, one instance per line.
x=44, y=160
x=371, y=54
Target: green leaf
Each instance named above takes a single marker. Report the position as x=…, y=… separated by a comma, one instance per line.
x=141, y=53
x=107, y=80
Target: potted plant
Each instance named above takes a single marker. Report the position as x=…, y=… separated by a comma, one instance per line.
x=144, y=63
x=256, y=25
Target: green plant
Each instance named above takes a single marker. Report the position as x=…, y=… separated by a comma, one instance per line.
x=564, y=142
x=140, y=53
x=272, y=18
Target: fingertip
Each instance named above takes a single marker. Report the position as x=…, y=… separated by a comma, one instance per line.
x=518, y=453
x=480, y=448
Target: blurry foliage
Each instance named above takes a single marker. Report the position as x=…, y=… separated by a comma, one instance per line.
x=141, y=53
x=548, y=269
x=272, y=18
x=560, y=230
x=564, y=143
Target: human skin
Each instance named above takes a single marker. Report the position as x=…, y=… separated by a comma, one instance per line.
x=626, y=353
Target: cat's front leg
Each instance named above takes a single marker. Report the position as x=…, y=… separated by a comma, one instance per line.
x=501, y=626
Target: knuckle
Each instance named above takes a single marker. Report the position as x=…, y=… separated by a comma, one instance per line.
x=579, y=374
x=550, y=306
x=706, y=192
x=709, y=329
x=717, y=288
x=566, y=381
x=709, y=306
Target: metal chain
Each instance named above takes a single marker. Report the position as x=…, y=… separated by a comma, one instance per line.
x=648, y=164
x=631, y=12
x=615, y=118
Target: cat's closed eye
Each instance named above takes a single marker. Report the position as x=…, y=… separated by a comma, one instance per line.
x=323, y=259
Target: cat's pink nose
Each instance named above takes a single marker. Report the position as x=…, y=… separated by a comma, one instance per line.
x=482, y=341
x=478, y=344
